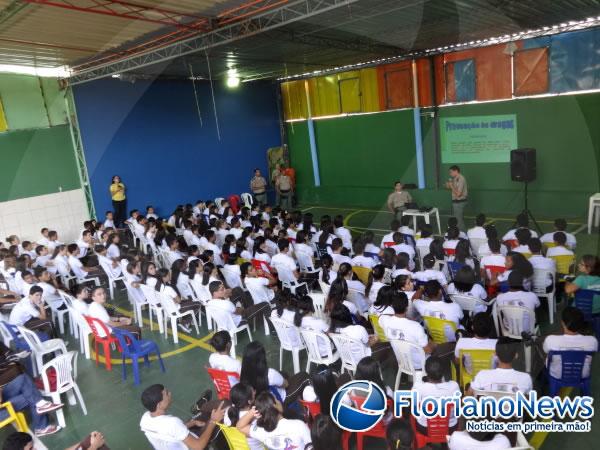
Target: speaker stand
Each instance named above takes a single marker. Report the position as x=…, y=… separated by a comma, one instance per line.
x=527, y=211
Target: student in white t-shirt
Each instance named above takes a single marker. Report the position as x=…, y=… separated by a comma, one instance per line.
x=482, y=327
x=503, y=378
x=28, y=309
x=397, y=326
x=283, y=262
x=400, y=246
x=163, y=427
x=517, y=295
x=429, y=273
x=434, y=306
x=221, y=358
x=107, y=263
x=540, y=262
x=342, y=232
x=478, y=440
x=261, y=285
x=360, y=260
x=464, y=284
x=97, y=310
x=82, y=299
x=242, y=398
x=265, y=423
x=433, y=385
x=492, y=262
x=452, y=239
x=108, y=220
x=560, y=225
x=522, y=222
x=389, y=238
x=425, y=239
x=478, y=231
x=572, y=323
x=560, y=248
x=405, y=226
x=375, y=283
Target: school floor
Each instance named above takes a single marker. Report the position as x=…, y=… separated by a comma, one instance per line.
x=114, y=405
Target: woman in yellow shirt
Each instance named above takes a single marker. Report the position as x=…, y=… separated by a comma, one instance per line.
x=117, y=192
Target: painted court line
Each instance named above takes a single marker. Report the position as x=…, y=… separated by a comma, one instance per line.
x=581, y=228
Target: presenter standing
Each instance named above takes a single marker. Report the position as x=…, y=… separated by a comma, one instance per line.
x=258, y=185
x=458, y=185
x=117, y=192
x=398, y=199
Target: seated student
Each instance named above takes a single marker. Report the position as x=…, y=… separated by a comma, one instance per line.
x=77, y=266
x=157, y=422
x=44, y=239
x=436, y=249
x=370, y=248
x=538, y=261
x=375, y=283
x=433, y=305
x=132, y=216
x=482, y=327
x=166, y=286
x=405, y=226
x=108, y=220
x=494, y=259
x=53, y=241
x=402, y=266
x=452, y=239
x=399, y=435
x=242, y=398
x=342, y=232
x=573, y=324
x=105, y=261
x=504, y=377
x=261, y=285
x=465, y=284
x=398, y=326
x=463, y=255
x=26, y=283
x=433, y=385
x=29, y=312
x=453, y=223
x=265, y=423
x=50, y=287
x=336, y=253
x=560, y=225
x=360, y=260
x=425, y=239
x=221, y=299
x=283, y=262
x=221, y=358
x=389, y=238
x=516, y=262
x=368, y=369
x=517, y=295
x=85, y=244
x=324, y=383
x=560, y=248
x=401, y=247
x=589, y=278
x=428, y=272
x=478, y=440
x=478, y=231
x=173, y=253
x=260, y=250
x=523, y=236
x=358, y=289
x=150, y=213
x=44, y=259
x=325, y=434
x=383, y=302
x=181, y=280
x=28, y=249
x=97, y=310
x=522, y=223
x=211, y=246
x=82, y=299
x=300, y=246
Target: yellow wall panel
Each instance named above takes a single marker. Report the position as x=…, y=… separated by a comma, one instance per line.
x=3, y=124
x=325, y=96
x=369, y=90
x=293, y=97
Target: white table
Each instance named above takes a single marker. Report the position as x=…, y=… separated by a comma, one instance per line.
x=426, y=215
x=594, y=203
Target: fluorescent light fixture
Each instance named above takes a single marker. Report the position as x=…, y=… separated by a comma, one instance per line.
x=233, y=79
x=116, y=75
x=50, y=72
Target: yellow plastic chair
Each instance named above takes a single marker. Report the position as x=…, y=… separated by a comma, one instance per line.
x=374, y=319
x=17, y=417
x=234, y=437
x=362, y=273
x=565, y=264
x=478, y=360
x=437, y=328
x=548, y=245
x=241, y=261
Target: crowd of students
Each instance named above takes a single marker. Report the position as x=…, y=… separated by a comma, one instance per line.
x=246, y=263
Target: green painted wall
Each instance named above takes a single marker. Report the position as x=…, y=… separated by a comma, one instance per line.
x=376, y=149
x=37, y=151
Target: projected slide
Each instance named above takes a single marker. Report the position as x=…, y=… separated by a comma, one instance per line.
x=478, y=139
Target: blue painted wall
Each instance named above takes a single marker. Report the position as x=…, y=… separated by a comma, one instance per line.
x=150, y=135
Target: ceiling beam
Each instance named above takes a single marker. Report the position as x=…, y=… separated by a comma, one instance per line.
x=269, y=20
x=130, y=11
x=13, y=8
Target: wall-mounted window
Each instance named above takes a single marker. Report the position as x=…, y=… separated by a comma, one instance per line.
x=460, y=81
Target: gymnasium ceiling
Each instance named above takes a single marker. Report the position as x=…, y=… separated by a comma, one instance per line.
x=85, y=33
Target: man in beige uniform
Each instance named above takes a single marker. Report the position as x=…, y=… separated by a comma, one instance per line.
x=458, y=185
x=398, y=199
x=258, y=186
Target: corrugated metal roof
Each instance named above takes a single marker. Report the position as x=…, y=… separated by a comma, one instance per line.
x=368, y=29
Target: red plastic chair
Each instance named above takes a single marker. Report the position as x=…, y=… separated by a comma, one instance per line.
x=511, y=243
x=221, y=381
x=437, y=430
x=261, y=265
x=234, y=202
x=378, y=431
x=494, y=270
x=313, y=408
x=389, y=244
x=450, y=251
x=98, y=328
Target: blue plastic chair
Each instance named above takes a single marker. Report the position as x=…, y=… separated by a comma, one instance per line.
x=20, y=344
x=454, y=267
x=584, y=301
x=572, y=362
x=134, y=348
x=409, y=240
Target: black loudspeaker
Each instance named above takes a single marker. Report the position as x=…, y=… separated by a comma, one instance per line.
x=522, y=164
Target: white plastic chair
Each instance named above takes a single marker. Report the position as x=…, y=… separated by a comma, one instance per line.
x=305, y=263
x=219, y=201
x=324, y=287
x=289, y=340
x=39, y=348
x=222, y=320
x=173, y=313
x=58, y=315
x=133, y=233
x=541, y=277
x=247, y=199
x=231, y=277
x=63, y=271
x=112, y=280
x=65, y=367
x=406, y=354
x=6, y=336
x=83, y=331
x=359, y=300
x=68, y=302
x=201, y=294
x=138, y=301
x=476, y=244
x=154, y=307
x=351, y=351
x=474, y=305
x=514, y=320
x=315, y=342
x=319, y=304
